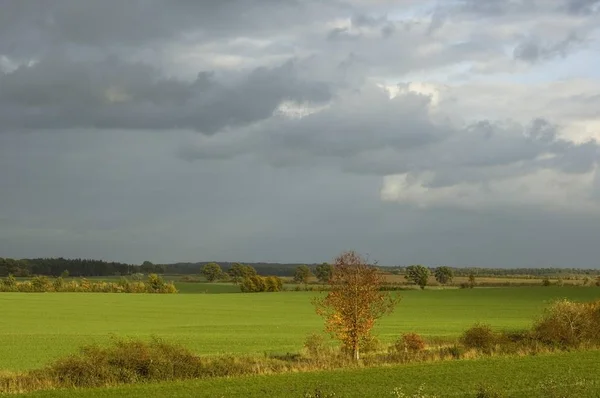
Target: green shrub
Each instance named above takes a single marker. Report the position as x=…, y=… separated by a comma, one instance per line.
x=585, y=281
x=569, y=324
x=273, y=284
x=413, y=342
x=257, y=283
x=127, y=361
x=409, y=343
x=58, y=284
x=155, y=284
x=480, y=337
x=138, y=276
x=40, y=283
x=10, y=281
x=546, y=282
x=455, y=351
x=247, y=285
x=314, y=345
x=371, y=344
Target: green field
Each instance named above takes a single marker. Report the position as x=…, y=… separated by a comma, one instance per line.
x=38, y=327
x=514, y=377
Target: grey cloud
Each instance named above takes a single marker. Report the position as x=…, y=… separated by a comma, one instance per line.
x=176, y=211
x=341, y=34
x=114, y=23
x=364, y=120
x=515, y=7
x=493, y=7
x=533, y=49
x=369, y=134
x=58, y=93
x=582, y=6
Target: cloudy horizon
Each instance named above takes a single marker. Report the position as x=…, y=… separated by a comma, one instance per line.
x=451, y=132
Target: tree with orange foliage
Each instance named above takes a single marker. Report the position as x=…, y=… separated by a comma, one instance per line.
x=354, y=301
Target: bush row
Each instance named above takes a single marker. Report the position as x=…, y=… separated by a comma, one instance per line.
x=154, y=284
x=564, y=324
x=257, y=283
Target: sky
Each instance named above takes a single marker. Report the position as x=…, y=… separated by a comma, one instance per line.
x=451, y=132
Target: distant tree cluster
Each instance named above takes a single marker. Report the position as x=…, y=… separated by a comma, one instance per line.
x=238, y=272
x=419, y=275
x=323, y=272
x=510, y=272
x=212, y=272
x=302, y=274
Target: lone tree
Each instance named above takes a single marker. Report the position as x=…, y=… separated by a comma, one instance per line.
x=418, y=275
x=471, y=280
x=354, y=301
x=323, y=272
x=212, y=272
x=443, y=275
x=302, y=274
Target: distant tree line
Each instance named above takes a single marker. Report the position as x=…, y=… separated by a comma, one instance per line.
x=276, y=269
x=300, y=272
x=504, y=272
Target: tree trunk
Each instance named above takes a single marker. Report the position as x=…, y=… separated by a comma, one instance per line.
x=356, y=354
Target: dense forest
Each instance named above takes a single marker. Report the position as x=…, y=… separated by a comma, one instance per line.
x=88, y=267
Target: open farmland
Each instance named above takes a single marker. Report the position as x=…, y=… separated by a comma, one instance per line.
x=36, y=328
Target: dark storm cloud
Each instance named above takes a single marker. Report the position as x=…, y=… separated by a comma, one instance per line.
x=58, y=93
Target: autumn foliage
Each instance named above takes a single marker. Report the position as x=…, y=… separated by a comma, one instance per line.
x=354, y=301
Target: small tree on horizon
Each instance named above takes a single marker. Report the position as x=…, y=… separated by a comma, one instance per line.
x=354, y=301
x=418, y=275
x=443, y=275
x=472, y=280
x=323, y=272
x=302, y=274
x=238, y=272
x=212, y=271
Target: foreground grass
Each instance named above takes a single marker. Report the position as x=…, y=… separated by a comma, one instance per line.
x=514, y=377
x=39, y=327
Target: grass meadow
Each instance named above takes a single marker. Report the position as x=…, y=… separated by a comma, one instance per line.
x=36, y=328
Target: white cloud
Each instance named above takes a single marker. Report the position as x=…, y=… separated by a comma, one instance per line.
x=548, y=190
